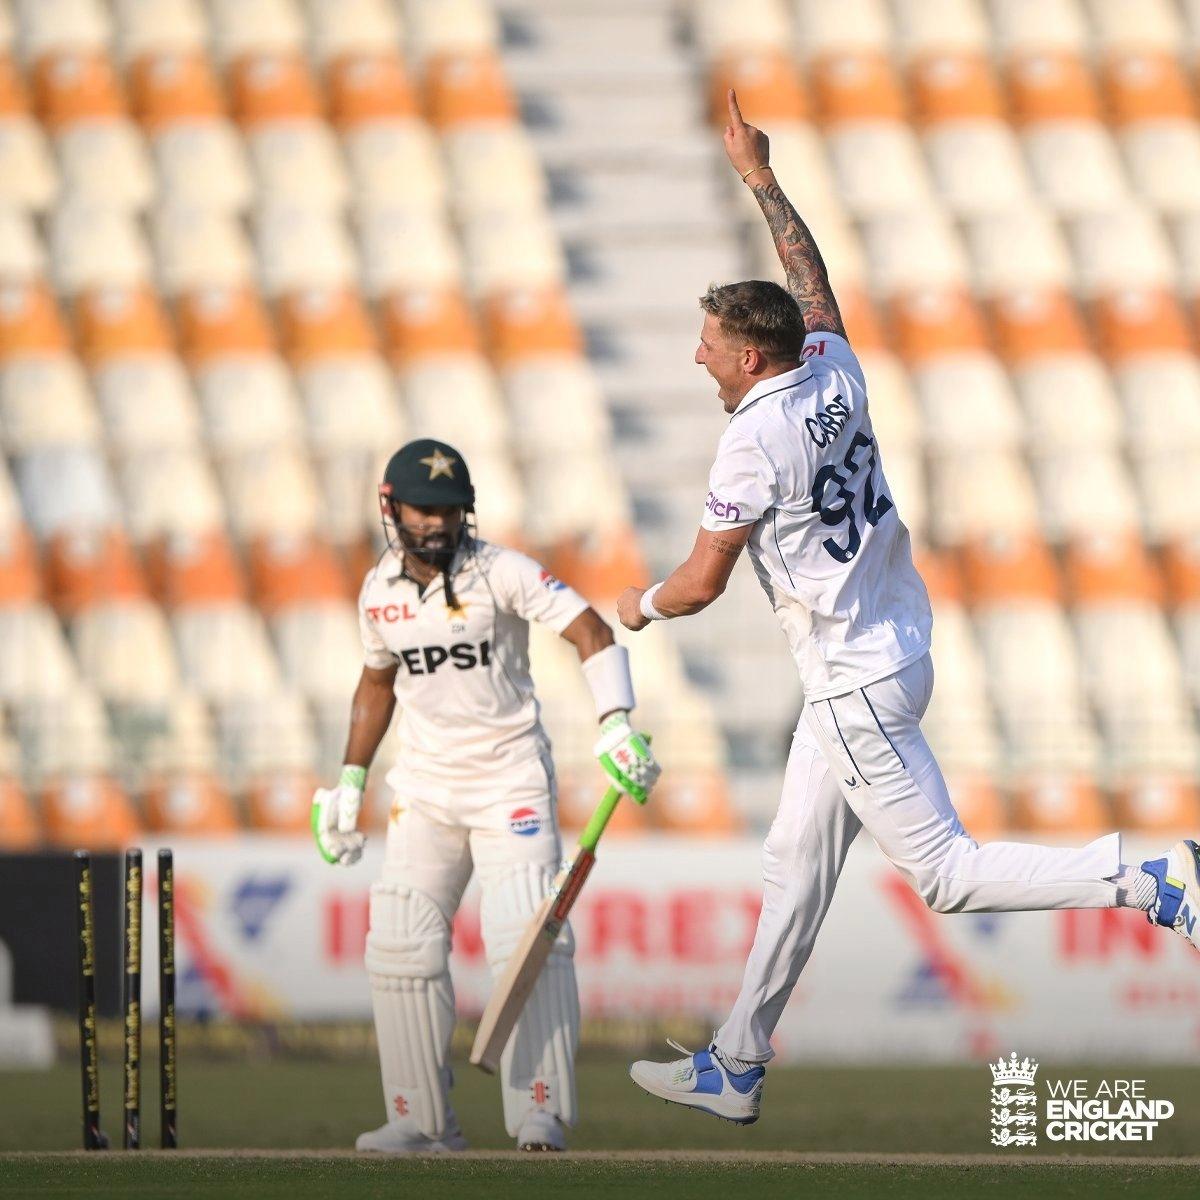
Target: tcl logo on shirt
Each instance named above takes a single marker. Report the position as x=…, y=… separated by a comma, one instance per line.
x=391, y=613
x=425, y=660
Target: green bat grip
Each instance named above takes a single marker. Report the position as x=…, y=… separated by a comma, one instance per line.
x=599, y=819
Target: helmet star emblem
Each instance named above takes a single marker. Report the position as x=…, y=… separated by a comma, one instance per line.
x=439, y=464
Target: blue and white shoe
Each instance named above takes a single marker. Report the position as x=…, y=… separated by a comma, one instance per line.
x=1178, y=903
x=700, y=1081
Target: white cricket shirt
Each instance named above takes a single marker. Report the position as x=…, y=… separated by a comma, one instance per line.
x=799, y=460
x=465, y=695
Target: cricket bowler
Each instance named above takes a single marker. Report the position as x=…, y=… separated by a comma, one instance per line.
x=798, y=479
x=444, y=617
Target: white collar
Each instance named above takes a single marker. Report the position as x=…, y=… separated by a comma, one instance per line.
x=772, y=384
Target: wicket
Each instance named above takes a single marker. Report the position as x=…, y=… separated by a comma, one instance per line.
x=131, y=999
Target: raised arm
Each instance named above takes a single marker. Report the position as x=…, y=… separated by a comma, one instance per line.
x=807, y=278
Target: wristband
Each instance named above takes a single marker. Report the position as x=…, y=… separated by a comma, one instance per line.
x=353, y=777
x=760, y=167
x=647, y=604
x=607, y=675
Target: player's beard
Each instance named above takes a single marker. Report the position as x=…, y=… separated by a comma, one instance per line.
x=435, y=549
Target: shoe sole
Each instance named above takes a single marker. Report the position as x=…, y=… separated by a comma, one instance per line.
x=653, y=1089
x=1191, y=884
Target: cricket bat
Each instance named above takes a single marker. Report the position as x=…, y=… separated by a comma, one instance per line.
x=512, y=990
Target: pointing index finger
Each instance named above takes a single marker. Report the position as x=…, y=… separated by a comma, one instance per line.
x=735, y=113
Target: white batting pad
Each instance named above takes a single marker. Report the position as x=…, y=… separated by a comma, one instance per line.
x=408, y=949
x=537, y=1070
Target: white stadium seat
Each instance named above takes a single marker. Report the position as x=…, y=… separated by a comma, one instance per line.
x=298, y=165
x=1082, y=490
x=28, y=179
x=320, y=648
x=456, y=398
x=90, y=501
x=105, y=163
x=972, y=495
x=1161, y=397
x=395, y=164
x=1121, y=249
x=879, y=167
x=248, y=404
x=155, y=26
x=44, y=400
x=300, y=248
x=1016, y=249
x=493, y=169
x=202, y=164
x=171, y=490
x=512, y=250
x=125, y=651
x=861, y=25
x=1076, y=166
x=270, y=490
x=1068, y=403
x=351, y=404
x=978, y=166
x=146, y=402
x=925, y=26
x=341, y=27
x=242, y=27
x=441, y=26
x=200, y=248
x=1163, y=158
x=967, y=403
x=49, y=25
x=224, y=652
x=1039, y=25
x=907, y=250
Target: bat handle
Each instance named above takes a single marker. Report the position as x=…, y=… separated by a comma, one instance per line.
x=599, y=819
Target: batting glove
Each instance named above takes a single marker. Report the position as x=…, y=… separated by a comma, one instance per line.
x=334, y=818
x=626, y=757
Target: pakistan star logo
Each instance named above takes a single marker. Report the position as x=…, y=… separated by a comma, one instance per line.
x=439, y=463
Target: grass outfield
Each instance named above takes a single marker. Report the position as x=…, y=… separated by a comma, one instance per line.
x=808, y=1114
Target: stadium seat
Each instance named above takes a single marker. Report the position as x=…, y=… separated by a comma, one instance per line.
x=1154, y=24
x=105, y=163
x=1060, y=804
x=270, y=490
x=464, y=87
x=1125, y=248
x=395, y=166
x=71, y=85
x=878, y=166
x=146, y=404
x=37, y=671
x=221, y=322
x=976, y=495
x=243, y=28
x=151, y=27
x=370, y=86
x=320, y=648
x=1132, y=323
x=120, y=323
x=966, y=401
x=193, y=569
x=202, y=165
x=1068, y=404
x=499, y=495
x=928, y=27
x=504, y=251
x=302, y=248
x=88, y=810
x=90, y=502
x=494, y=171
x=44, y=402
x=27, y=176
x=169, y=490
x=759, y=25
x=94, y=247
x=476, y=416
x=21, y=256
x=47, y=26
x=1166, y=482
x=1158, y=803
x=351, y=406
x=1018, y=250
x=427, y=323
x=297, y=164
x=281, y=801
x=857, y=87
x=324, y=323
x=1164, y=158
x=529, y=323
x=1160, y=394
x=436, y=27
x=977, y=166
x=1082, y=488
x=248, y=404
x=1007, y=568
x=768, y=87
x=200, y=248
x=913, y=250
x=224, y=652
x=171, y=87
x=20, y=829
x=91, y=565
x=270, y=86
x=20, y=580
x=403, y=249
x=29, y=321
x=933, y=324
x=1032, y=324
x=289, y=570
x=193, y=804
x=562, y=400
x=124, y=650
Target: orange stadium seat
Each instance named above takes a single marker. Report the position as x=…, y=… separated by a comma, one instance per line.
x=1060, y=804
x=88, y=810
x=466, y=86
x=696, y=802
x=14, y=96
x=118, y=322
x=1052, y=86
x=1112, y=566
x=1181, y=571
x=861, y=318
x=273, y=87
x=18, y=825
x=955, y=87
x=1005, y=568
x=70, y=86
x=929, y=324
x=1158, y=804
x=524, y=323
x=370, y=87
x=174, y=86
x=190, y=803
x=1133, y=323
x=323, y=323
x=30, y=322
x=768, y=88
x=289, y=569
x=1035, y=324
x=194, y=569
x=20, y=581
x=86, y=566
x=281, y=802
x=600, y=564
x=220, y=321
x=1147, y=85
x=979, y=804
x=427, y=323
x=857, y=86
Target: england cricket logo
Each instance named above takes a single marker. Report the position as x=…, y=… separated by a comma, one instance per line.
x=1014, y=1102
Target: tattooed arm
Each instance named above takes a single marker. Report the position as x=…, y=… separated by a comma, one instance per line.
x=693, y=585
x=804, y=268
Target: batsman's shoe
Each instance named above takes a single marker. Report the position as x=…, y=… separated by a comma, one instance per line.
x=1178, y=903
x=700, y=1081
x=395, y=1138
x=541, y=1131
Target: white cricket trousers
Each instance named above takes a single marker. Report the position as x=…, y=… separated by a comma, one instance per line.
x=860, y=760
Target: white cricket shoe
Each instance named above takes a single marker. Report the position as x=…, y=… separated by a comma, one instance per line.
x=541, y=1131
x=700, y=1081
x=394, y=1138
x=1178, y=903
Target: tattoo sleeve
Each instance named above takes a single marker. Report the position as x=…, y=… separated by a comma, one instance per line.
x=807, y=278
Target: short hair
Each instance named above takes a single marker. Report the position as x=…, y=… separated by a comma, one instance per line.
x=759, y=311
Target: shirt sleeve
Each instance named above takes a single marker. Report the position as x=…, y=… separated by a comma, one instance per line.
x=832, y=349
x=742, y=485
x=375, y=652
x=526, y=588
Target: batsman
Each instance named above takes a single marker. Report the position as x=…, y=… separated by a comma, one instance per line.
x=444, y=618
